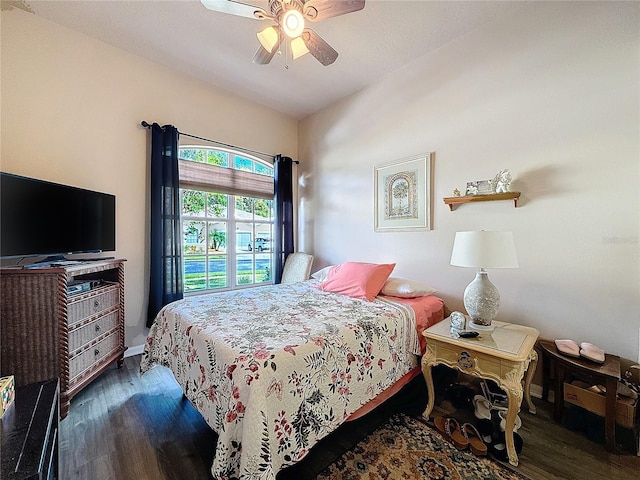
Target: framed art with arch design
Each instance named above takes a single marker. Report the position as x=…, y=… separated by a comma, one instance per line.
x=403, y=194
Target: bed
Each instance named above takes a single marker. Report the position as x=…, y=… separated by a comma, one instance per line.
x=274, y=369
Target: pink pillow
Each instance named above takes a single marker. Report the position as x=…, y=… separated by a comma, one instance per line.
x=357, y=280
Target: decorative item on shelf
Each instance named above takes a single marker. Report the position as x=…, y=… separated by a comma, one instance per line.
x=456, y=193
x=479, y=187
x=502, y=181
x=483, y=249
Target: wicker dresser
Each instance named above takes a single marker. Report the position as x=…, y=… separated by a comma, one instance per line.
x=65, y=322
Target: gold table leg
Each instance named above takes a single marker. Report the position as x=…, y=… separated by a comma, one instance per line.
x=515, y=399
x=533, y=362
x=427, y=363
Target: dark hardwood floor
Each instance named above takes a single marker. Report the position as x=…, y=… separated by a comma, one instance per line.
x=127, y=426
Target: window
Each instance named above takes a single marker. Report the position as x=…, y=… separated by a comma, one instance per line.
x=227, y=219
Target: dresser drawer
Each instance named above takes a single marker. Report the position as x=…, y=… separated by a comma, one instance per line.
x=467, y=360
x=92, y=330
x=92, y=303
x=92, y=355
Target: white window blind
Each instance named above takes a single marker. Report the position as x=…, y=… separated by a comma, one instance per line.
x=211, y=178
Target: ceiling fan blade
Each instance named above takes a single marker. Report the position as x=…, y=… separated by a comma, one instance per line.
x=235, y=8
x=316, y=10
x=320, y=49
x=264, y=56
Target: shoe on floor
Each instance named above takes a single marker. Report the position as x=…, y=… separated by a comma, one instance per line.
x=460, y=395
x=591, y=352
x=451, y=431
x=472, y=435
x=499, y=447
x=482, y=407
x=503, y=421
x=568, y=347
x=486, y=428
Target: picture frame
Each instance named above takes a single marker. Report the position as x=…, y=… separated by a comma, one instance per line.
x=404, y=194
x=479, y=187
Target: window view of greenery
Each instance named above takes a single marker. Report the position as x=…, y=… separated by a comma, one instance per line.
x=202, y=155
x=227, y=238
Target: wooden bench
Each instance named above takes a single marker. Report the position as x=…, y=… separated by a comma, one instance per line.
x=607, y=374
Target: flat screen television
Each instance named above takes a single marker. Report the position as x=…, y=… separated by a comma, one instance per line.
x=40, y=218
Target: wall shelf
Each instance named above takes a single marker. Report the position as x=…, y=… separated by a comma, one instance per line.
x=489, y=197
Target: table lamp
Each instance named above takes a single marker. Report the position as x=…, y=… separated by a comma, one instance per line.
x=483, y=250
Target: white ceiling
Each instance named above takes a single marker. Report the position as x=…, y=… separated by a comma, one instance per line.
x=218, y=48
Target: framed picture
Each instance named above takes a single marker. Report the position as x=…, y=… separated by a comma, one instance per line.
x=479, y=187
x=403, y=194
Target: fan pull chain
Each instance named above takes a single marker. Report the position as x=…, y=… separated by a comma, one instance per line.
x=286, y=55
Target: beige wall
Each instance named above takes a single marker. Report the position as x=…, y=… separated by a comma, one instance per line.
x=71, y=109
x=552, y=94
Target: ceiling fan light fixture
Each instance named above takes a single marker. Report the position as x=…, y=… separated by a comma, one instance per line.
x=298, y=48
x=292, y=23
x=290, y=17
x=268, y=38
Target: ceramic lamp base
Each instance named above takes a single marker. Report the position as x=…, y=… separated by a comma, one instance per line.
x=482, y=300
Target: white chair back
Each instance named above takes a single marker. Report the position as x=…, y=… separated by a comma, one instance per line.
x=297, y=267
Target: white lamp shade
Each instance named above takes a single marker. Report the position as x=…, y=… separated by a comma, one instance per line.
x=484, y=249
x=298, y=48
x=268, y=38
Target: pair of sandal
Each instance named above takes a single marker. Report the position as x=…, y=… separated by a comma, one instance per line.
x=461, y=436
x=585, y=350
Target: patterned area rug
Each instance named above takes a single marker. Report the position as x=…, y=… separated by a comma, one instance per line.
x=406, y=448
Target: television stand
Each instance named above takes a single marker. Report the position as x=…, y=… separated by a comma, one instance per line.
x=57, y=261
x=49, y=331
x=50, y=260
x=51, y=264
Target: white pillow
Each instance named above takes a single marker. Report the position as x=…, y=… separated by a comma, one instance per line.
x=321, y=274
x=403, y=288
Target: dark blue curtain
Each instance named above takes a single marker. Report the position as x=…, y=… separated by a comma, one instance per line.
x=166, y=283
x=283, y=200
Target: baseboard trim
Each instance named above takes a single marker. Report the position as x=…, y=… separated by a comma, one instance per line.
x=536, y=391
x=135, y=350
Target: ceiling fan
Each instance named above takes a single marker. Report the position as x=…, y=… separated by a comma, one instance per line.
x=290, y=17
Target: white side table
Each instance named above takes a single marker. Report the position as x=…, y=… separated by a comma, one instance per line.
x=502, y=355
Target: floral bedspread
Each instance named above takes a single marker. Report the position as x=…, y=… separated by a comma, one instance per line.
x=274, y=369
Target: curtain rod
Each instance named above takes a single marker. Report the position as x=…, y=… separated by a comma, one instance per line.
x=147, y=125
